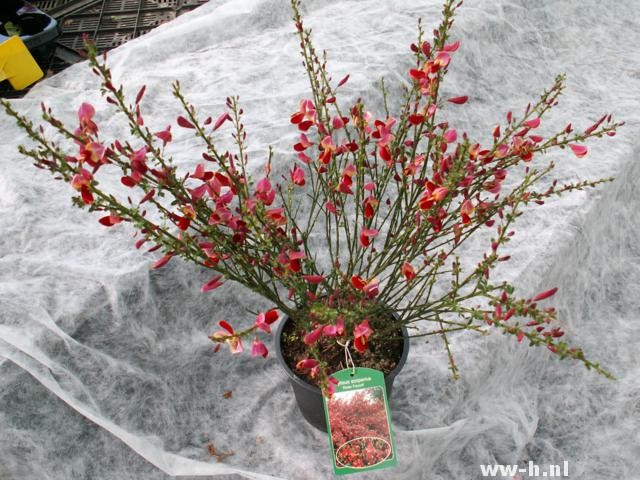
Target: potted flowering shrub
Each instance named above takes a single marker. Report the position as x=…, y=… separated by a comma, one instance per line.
x=360, y=243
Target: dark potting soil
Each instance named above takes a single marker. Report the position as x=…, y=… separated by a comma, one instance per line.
x=380, y=355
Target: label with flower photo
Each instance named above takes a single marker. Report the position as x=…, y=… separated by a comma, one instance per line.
x=358, y=422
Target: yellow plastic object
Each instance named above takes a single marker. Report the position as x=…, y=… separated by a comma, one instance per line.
x=17, y=65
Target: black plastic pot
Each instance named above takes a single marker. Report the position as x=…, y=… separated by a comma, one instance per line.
x=309, y=397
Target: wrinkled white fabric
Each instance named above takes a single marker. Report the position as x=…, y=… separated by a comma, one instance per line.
x=106, y=371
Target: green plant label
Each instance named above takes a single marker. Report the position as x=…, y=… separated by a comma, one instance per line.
x=358, y=422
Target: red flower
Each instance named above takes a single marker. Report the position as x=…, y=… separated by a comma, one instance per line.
x=110, y=220
x=366, y=235
x=343, y=81
x=408, y=271
x=328, y=147
x=361, y=333
x=276, y=215
x=81, y=179
x=459, y=100
x=314, y=279
x=221, y=119
x=184, y=123
x=383, y=133
x=432, y=195
x=370, y=205
x=370, y=287
x=291, y=260
x=305, y=116
x=163, y=261
x=303, y=144
x=265, y=319
x=466, y=210
x=416, y=119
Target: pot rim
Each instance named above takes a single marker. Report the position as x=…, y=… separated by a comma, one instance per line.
x=301, y=383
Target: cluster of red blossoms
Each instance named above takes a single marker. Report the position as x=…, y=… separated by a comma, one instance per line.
x=392, y=197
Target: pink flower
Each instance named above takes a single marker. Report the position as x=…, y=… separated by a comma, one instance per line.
x=579, y=150
x=264, y=192
x=85, y=116
x=297, y=175
x=337, y=122
x=304, y=158
x=451, y=47
x=229, y=336
x=442, y=60
x=265, y=319
x=164, y=135
x=259, y=349
x=313, y=336
x=535, y=123
x=361, y=333
x=81, y=179
x=330, y=206
x=334, y=330
x=450, y=136
x=212, y=284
